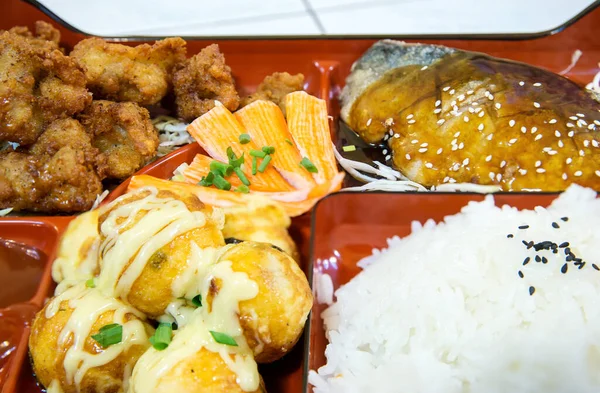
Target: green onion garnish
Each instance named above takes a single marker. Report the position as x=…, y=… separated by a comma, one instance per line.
x=223, y=338
x=90, y=283
x=268, y=149
x=162, y=336
x=207, y=180
x=308, y=165
x=221, y=183
x=258, y=153
x=221, y=168
x=243, y=189
x=109, y=335
x=263, y=165
x=244, y=138
x=289, y=142
x=349, y=148
x=197, y=301
x=254, y=165
x=234, y=161
x=242, y=176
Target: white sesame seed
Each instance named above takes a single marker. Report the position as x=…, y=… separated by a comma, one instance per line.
x=410, y=116
x=521, y=83
x=412, y=121
x=564, y=176
x=470, y=92
x=465, y=162
x=512, y=141
x=441, y=121
x=568, y=161
x=597, y=173
x=580, y=114
x=446, y=88
x=552, y=121
x=578, y=174
x=425, y=144
x=536, y=104
x=594, y=143
x=391, y=132
x=538, y=163
x=454, y=147
x=451, y=180
x=586, y=143
x=471, y=110
x=389, y=121
x=436, y=111
x=456, y=167
x=466, y=119
x=369, y=122
x=461, y=146
x=537, y=84
x=597, y=122
x=452, y=91
x=552, y=152
x=498, y=105
x=561, y=144
x=540, y=170
x=461, y=97
x=480, y=127
x=523, y=129
x=454, y=141
x=453, y=103
x=438, y=103
x=457, y=134
x=538, y=137
x=424, y=68
x=455, y=110
x=534, y=130
x=440, y=150
x=581, y=121
x=502, y=164
x=386, y=137
x=422, y=150
x=557, y=133
x=523, y=171
x=492, y=174
x=396, y=136
x=414, y=141
x=489, y=137
x=388, y=157
x=487, y=93
x=477, y=103
x=592, y=126
x=491, y=97
x=429, y=165
x=499, y=177
x=407, y=156
x=570, y=125
x=445, y=179
x=581, y=153
x=511, y=123
x=573, y=117
x=546, y=149
x=385, y=151
x=481, y=114
x=488, y=158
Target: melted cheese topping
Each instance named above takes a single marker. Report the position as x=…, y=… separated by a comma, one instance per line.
x=54, y=387
x=235, y=287
x=128, y=245
x=88, y=305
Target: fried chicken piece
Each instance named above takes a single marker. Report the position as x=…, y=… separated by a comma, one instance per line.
x=204, y=79
x=140, y=74
x=60, y=173
x=124, y=133
x=36, y=88
x=274, y=88
x=46, y=37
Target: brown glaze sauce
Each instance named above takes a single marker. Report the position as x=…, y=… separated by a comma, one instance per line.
x=473, y=118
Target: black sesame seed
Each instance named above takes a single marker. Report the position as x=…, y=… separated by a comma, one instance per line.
x=569, y=258
x=510, y=236
x=564, y=244
x=578, y=260
x=521, y=274
x=526, y=261
x=544, y=260
x=555, y=225
x=581, y=266
x=546, y=245
x=538, y=259
x=595, y=266
x=531, y=291
x=565, y=219
x=555, y=251
x=564, y=268
x=524, y=227
x=567, y=251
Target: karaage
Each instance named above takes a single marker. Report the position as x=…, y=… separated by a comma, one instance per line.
x=140, y=74
x=124, y=133
x=204, y=79
x=274, y=88
x=46, y=37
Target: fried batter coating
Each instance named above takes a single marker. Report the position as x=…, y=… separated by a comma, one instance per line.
x=46, y=37
x=204, y=79
x=60, y=173
x=140, y=74
x=274, y=88
x=36, y=88
x=124, y=133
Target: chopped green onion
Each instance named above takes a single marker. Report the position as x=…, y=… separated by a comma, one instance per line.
x=242, y=176
x=244, y=138
x=162, y=336
x=109, y=335
x=90, y=283
x=254, y=165
x=308, y=165
x=221, y=183
x=223, y=338
x=263, y=165
x=243, y=189
x=221, y=168
x=197, y=301
x=258, y=153
x=349, y=148
x=289, y=142
x=207, y=180
x=230, y=153
x=268, y=149
x=234, y=161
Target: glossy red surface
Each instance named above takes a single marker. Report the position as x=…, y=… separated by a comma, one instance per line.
x=325, y=64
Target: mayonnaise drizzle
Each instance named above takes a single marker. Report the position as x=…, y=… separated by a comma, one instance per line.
x=88, y=305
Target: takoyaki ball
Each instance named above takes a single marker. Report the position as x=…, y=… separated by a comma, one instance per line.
x=77, y=255
x=273, y=320
x=151, y=280
x=66, y=351
x=262, y=220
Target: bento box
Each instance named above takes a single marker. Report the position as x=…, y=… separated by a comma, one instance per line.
x=345, y=226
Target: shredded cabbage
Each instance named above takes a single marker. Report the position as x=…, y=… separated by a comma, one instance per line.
x=172, y=134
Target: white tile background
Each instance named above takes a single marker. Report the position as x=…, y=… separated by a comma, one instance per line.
x=313, y=17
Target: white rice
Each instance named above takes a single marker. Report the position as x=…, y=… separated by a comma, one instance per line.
x=444, y=309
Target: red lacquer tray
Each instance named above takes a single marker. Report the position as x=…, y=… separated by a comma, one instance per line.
x=325, y=63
